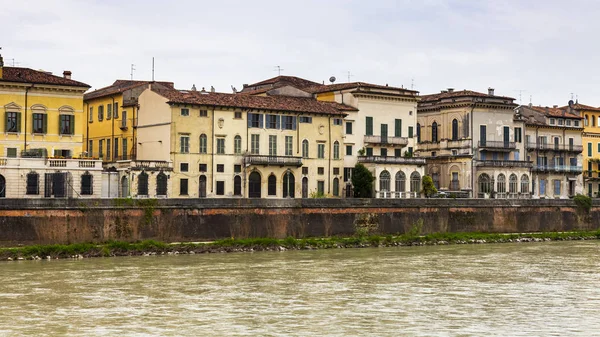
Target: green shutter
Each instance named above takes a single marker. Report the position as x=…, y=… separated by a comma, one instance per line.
x=72, y=129
x=410, y=132
x=18, y=122
x=369, y=130
x=398, y=131
x=45, y=123
x=6, y=122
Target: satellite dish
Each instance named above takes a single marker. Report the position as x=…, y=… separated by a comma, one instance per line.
x=332, y=79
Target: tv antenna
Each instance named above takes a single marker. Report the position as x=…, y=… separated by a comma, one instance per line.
x=132, y=70
x=13, y=63
x=521, y=91
x=152, y=68
x=279, y=69
x=349, y=75
x=412, y=83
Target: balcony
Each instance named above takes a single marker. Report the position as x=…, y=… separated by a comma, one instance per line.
x=445, y=148
x=383, y=140
x=40, y=163
x=503, y=163
x=558, y=169
x=391, y=160
x=272, y=160
x=554, y=147
x=497, y=145
x=591, y=175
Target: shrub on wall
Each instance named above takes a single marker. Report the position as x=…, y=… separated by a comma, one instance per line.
x=583, y=201
x=362, y=181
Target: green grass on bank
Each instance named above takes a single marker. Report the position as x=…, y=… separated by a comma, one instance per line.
x=119, y=248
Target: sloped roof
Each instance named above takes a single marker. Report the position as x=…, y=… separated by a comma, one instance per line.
x=320, y=88
x=562, y=112
x=119, y=86
x=582, y=107
x=27, y=75
x=460, y=93
x=291, y=80
x=275, y=103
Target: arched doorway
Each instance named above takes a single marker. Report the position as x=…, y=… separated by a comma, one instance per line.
x=124, y=187
x=289, y=185
x=485, y=185
x=336, y=187
x=237, y=185
x=202, y=187
x=2, y=187
x=384, y=184
x=305, y=187
x=143, y=183
x=415, y=184
x=161, y=184
x=254, y=185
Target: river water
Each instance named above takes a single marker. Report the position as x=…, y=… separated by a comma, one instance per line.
x=527, y=289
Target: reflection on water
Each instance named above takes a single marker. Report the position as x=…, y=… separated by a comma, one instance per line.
x=540, y=289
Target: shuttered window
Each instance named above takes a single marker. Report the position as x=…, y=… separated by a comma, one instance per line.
x=398, y=128
x=369, y=129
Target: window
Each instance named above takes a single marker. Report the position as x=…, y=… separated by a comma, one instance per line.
x=561, y=122
x=237, y=144
x=272, y=185
x=255, y=144
x=87, y=184
x=116, y=110
x=556, y=187
x=415, y=182
x=202, y=167
x=383, y=152
x=348, y=128
x=397, y=153
x=589, y=149
x=273, y=121
x=124, y=148
x=586, y=120
x=184, y=167
x=161, y=183
x=116, y=147
x=220, y=188
x=237, y=185
x=184, y=144
x=347, y=173
x=305, y=119
x=321, y=151
x=518, y=135
x=336, y=150
x=552, y=121
x=220, y=168
x=400, y=179
x=272, y=145
x=204, y=113
x=576, y=123
x=33, y=187
x=337, y=121
x=183, y=186
x=185, y=112
x=91, y=114
x=124, y=119
x=455, y=129
x=336, y=187
x=108, y=149
x=398, y=128
x=90, y=149
x=289, y=185
x=67, y=124
x=108, y=111
x=237, y=168
x=321, y=187
x=143, y=183
x=568, y=122
x=236, y=115
x=40, y=123
x=305, y=148
x=101, y=148
x=289, y=123
x=255, y=120
x=220, y=145
x=434, y=132
x=384, y=181
x=369, y=151
x=320, y=171
x=203, y=143
x=289, y=145
x=369, y=126
x=524, y=184
x=512, y=184
x=418, y=132
x=11, y=152
x=100, y=113
x=305, y=170
x=484, y=183
x=501, y=188
x=336, y=171
x=348, y=150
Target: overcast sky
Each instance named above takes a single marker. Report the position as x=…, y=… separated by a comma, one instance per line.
x=545, y=49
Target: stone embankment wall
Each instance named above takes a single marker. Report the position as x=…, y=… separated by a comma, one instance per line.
x=46, y=221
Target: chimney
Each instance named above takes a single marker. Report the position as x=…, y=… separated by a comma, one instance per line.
x=491, y=91
x=67, y=74
x=1, y=65
x=245, y=85
x=450, y=89
x=194, y=87
x=555, y=106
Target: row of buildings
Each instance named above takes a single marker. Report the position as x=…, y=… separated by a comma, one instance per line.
x=285, y=137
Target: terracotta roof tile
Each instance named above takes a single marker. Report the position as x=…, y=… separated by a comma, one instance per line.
x=119, y=86
x=562, y=112
x=583, y=107
x=26, y=75
x=281, y=81
x=460, y=93
x=276, y=103
x=320, y=88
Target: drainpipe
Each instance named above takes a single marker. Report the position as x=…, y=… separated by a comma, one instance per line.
x=472, y=154
x=329, y=161
x=25, y=124
x=87, y=130
x=212, y=153
x=113, y=129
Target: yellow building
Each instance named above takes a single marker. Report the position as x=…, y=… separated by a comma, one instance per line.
x=591, y=147
x=111, y=112
x=43, y=131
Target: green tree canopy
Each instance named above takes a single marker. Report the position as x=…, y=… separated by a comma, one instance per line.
x=428, y=186
x=362, y=181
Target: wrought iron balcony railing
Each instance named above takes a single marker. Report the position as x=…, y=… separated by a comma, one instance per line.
x=272, y=160
x=391, y=160
x=386, y=140
x=497, y=144
x=504, y=163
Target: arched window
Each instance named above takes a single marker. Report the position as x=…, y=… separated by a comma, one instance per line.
x=400, y=181
x=33, y=183
x=336, y=187
x=142, y=183
x=161, y=184
x=237, y=144
x=586, y=120
x=202, y=187
x=305, y=187
x=415, y=182
x=524, y=184
x=2, y=186
x=435, y=177
x=485, y=183
x=336, y=150
x=289, y=184
x=512, y=184
x=203, y=142
x=434, y=132
x=501, y=184
x=87, y=184
x=272, y=185
x=418, y=133
x=593, y=120
x=455, y=129
x=305, y=148
x=237, y=185
x=384, y=181
x=124, y=187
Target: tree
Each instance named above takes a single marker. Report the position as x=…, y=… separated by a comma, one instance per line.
x=428, y=187
x=362, y=181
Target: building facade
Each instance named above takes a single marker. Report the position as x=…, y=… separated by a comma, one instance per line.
x=42, y=129
x=473, y=144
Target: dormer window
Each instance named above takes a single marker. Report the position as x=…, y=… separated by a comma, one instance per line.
x=561, y=122
x=568, y=122
x=552, y=121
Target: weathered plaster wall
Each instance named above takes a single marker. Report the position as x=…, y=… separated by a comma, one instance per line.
x=171, y=220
